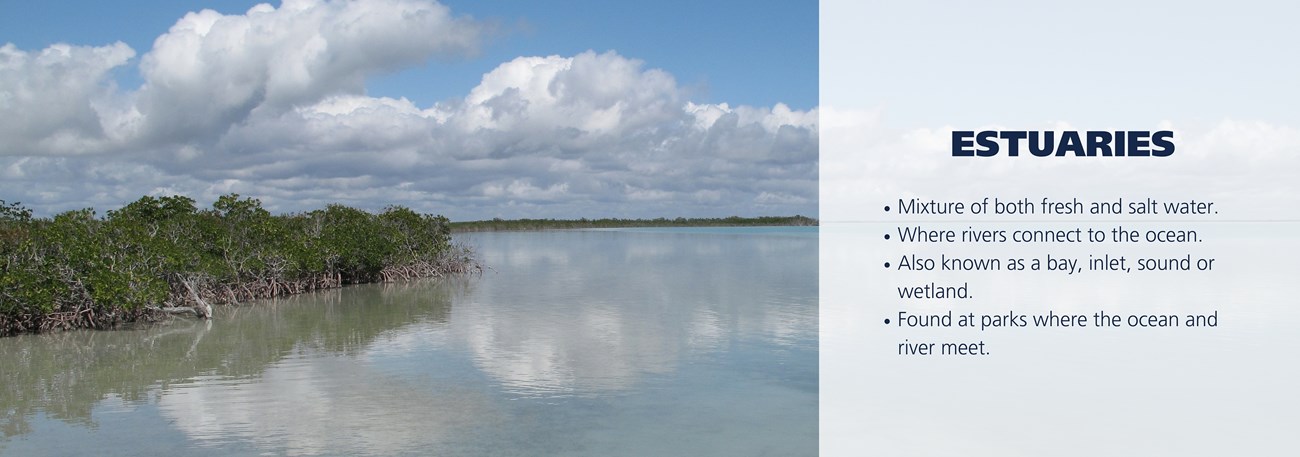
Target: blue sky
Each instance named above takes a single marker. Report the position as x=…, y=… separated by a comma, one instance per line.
x=471, y=109
x=741, y=52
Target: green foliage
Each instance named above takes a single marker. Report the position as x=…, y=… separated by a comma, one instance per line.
x=28, y=288
x=14, y=219
x=155, y=248
x=14, y=212
x=414, y=235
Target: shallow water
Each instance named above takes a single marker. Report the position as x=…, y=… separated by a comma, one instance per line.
x=608, y=342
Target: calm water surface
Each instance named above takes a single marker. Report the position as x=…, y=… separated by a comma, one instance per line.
x=614, y=342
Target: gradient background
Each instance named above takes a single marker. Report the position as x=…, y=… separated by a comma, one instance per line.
x=896, y=79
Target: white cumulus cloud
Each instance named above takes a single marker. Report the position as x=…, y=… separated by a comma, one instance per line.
x=271, y=103
x=211, y=70
x=53, y=100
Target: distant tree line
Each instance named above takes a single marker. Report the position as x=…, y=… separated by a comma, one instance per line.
x=161, y=254
x=557, y=224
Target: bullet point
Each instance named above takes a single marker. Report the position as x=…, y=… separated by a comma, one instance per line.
x=886, y=236
x=886, y=264
x=886, y=209
x=886, y=321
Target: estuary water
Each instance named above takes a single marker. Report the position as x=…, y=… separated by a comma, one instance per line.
x=603, y=342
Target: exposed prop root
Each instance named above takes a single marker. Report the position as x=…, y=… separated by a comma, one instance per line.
x=83, y=316
x=195, y=295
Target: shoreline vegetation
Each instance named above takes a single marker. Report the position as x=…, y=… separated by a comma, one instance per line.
x=566, y=224
x=162, y=255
